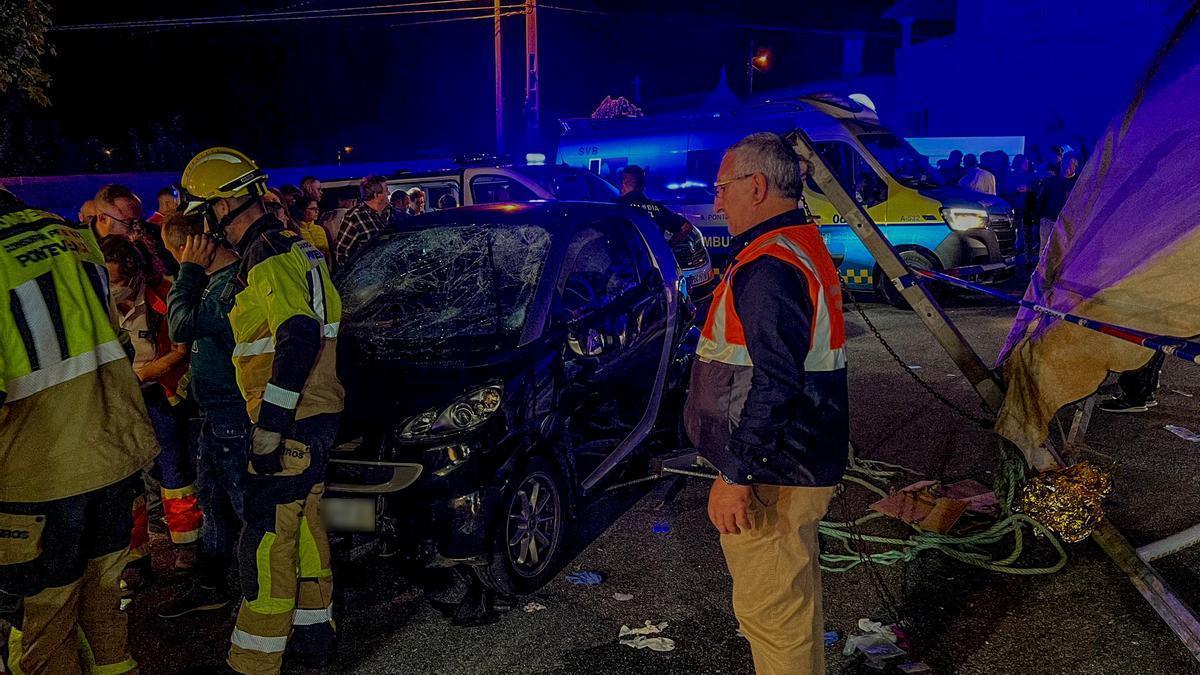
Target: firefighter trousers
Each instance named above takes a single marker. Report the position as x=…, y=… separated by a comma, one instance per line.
x=65, y=562
x=283, y=553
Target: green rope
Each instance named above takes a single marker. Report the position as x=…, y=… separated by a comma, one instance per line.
x=970, y=549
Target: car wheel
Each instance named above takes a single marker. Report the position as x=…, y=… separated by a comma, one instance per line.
x=884, y=287
x=528, y=536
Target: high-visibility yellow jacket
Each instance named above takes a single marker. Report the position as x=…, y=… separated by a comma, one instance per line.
x=72, y=418
x=285, y=322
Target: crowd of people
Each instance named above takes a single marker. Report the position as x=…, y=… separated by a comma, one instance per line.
x=199, y=345
x=196, y=352
x=1036, y=188
x=224, y=411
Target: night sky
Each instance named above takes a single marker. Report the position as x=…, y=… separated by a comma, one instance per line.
x=292, y=93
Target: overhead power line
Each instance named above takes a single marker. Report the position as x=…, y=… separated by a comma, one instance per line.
x=367, y=11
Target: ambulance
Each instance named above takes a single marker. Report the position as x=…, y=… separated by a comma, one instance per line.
x=932, y=225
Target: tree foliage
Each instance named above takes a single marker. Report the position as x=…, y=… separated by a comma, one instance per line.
x=23, y=44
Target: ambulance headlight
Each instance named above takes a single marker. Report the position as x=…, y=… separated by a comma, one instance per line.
x=965, y=219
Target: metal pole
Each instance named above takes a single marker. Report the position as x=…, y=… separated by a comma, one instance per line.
x=532, y=106
x=499, y=81
x=984, y=381
x=1170, y=608
x=750, y=69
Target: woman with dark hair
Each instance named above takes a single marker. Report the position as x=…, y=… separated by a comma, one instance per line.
x=139, y=291
x=305, y=213
x=274, y=203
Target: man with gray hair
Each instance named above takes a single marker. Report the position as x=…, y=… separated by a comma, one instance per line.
x=365, y=221
x=768, y=403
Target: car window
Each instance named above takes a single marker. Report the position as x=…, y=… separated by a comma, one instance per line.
x=434, y=191
x=571, y=186
x=600, y=267
x=852, y=171
x=492, y=188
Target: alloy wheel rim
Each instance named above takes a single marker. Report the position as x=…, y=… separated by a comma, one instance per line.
x=533, y=524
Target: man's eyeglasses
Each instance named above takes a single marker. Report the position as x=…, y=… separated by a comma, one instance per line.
x=130, y=223
x=718, y=188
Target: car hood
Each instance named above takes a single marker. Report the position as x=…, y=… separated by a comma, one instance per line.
x=952, y=196
x=384, y=392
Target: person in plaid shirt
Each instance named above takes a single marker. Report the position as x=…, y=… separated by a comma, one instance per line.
x=363, y=222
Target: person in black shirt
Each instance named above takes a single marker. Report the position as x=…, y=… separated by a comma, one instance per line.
x=633, y=193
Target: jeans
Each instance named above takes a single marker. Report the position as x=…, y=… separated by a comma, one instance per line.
x=173, y=468
x=220, y=479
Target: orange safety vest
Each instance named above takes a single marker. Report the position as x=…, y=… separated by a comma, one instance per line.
x=724, y=339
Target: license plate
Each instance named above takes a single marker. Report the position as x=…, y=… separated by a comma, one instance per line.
x=348, y=515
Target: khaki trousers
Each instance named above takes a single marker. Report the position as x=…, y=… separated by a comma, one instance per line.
x=777, y=579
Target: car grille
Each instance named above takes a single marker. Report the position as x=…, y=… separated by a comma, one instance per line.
x=1006, y=234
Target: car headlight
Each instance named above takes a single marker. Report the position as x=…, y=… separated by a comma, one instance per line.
x=468, y=412
x=965, y=219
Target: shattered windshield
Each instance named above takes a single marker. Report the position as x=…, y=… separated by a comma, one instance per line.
x=909, y=167
x=447, y=288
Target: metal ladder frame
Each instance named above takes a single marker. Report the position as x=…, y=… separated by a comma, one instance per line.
x=1135, y=563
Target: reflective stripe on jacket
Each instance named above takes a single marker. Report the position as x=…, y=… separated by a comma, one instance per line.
x=781, y=417
x=287, y=304
x=72, y=419
x=724, y=339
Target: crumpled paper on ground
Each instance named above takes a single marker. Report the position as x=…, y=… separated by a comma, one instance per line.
x=639, y=638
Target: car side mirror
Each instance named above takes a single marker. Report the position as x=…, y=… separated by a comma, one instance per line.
x=585, y=341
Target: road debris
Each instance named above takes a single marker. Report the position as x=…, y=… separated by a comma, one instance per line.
x=622, y=597
x=532, y=607
x=586, y=578
x=640, y=638
x=1182, y=393
x=1184, y=433
x=832, y=637
x=662, y=527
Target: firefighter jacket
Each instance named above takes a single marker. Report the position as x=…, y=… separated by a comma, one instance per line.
x=72, y=419
x=285, y=323
x=768, y=401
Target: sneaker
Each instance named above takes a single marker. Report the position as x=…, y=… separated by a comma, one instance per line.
x=136, y=577
x=197, y=599
x=1118, y=404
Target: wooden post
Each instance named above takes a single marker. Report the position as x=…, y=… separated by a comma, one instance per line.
x=532, y=84
x=496, y=31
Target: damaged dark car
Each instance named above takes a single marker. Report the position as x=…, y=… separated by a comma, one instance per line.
x=503, y=364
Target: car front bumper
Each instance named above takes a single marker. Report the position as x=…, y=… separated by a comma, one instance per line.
x=447, y=516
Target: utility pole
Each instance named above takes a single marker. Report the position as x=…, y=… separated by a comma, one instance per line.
x=499, y=82
x=532, y=106
x=750, y=68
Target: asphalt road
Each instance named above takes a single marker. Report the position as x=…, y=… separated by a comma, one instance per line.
x=1085, y=619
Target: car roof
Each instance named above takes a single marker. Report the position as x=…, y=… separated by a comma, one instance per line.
x=546, y=213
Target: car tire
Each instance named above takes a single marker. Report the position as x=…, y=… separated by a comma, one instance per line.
x=888, y=292
x=529, y=533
